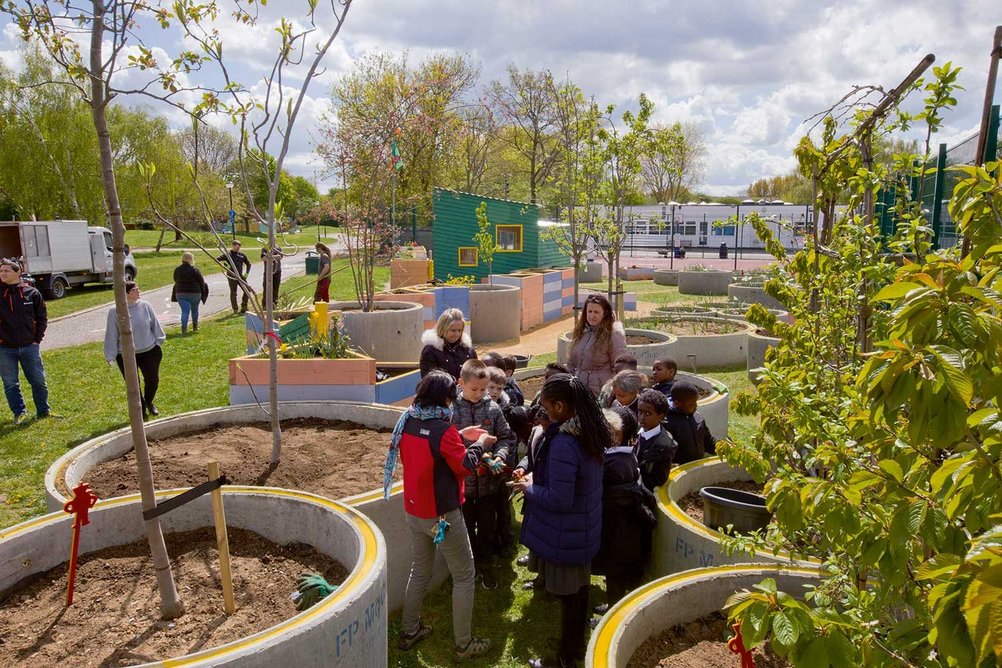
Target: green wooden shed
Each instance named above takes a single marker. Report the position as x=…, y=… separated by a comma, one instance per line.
x=516, y=227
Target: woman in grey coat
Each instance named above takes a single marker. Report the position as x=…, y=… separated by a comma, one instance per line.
x=596, y=343
x=148, y=335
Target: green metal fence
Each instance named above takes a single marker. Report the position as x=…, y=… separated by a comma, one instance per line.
x=935, y=188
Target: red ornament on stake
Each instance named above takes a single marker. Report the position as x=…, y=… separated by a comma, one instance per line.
x=737, y=646
x=79, y=506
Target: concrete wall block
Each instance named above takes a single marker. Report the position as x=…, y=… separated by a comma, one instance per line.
x=496, y=313
x=704, y=282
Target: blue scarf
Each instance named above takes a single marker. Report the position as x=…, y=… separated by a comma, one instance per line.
x=433, y=413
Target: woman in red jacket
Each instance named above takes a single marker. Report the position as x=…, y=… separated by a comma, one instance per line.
x=436, y=462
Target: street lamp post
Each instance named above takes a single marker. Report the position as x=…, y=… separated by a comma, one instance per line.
x=671, y=263
x=233, y=214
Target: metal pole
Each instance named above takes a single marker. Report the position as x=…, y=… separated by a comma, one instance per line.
x=233, y=218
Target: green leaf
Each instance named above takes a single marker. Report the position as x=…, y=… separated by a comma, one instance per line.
x=895, y=291
x=952, y=366
x=784, y=631
x=940, y=565
x=891, y=468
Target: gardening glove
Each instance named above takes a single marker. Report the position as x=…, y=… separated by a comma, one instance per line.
x=312, y=588
x=497, y=466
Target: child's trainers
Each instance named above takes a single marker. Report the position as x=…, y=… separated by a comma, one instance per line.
x=407, y=642
x=488, y=580
x=476, y=647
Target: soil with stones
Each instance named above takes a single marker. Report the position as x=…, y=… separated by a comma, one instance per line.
x=640, y=340
x=699, y=644
x=692, y=504
x=115, y=617
x=332, y=458
x=530, y=386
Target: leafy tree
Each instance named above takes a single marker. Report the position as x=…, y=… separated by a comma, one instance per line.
x=879, y=436
x=673, y=160
x=794, y=188
x=527, y=102
x=486, y=243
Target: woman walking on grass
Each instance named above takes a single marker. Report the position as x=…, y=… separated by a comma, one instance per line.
x=148, y=335
x=563, y=506
x=190, y=290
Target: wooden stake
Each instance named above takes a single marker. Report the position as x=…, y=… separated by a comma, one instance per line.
x=222, y=542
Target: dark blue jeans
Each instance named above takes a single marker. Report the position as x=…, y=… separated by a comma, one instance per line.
x=31, y=361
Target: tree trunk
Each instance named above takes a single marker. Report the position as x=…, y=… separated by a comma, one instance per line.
x=170, y=604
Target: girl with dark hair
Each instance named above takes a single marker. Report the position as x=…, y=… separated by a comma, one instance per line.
x=563, y=506
x=436, y=464
x=596, y=343
x=322, y=291
x=628, y=512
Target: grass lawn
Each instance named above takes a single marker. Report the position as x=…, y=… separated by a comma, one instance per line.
x=155, y=271
x=305, y=238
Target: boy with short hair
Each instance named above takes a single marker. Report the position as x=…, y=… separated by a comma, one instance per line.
x=656, y=447
x=625, y=362
x=687, y=425
x=485, y=489
x=495, y=386
x=663, y=375
x=508, y=363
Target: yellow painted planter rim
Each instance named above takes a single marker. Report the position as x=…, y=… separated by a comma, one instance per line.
x=362, y=572
x=612, y=623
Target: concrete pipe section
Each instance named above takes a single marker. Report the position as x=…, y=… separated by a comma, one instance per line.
x=495, y=313
x=388, y=516
x=348, y=628
x=753, y=294
x=648, y=353
x=758, y=343
x=704, y=282
x=683, y=311
x=666, y=276
x=590, y=272
x=680, y=542
x=658, y=606
x=390, y=333
x=703, y=350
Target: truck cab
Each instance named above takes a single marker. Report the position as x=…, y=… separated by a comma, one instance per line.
x=62, y=253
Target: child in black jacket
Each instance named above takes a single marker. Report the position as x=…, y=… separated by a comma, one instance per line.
x=628, y=512
x=687, y=425
x=655, y=446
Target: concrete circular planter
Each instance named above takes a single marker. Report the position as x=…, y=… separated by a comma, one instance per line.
x=702, y=350
x=495, y=312
x=738, y=313
x=704, y=282
x=758, y=343
x=682, y=311
x=646, y=353
x=391, y=332
x=714, y=407
x=590, y=272
x=316, y=637
x=666, y=276
x=67, y=471
x=660, y=605
x=753, y=293
x=680, y=542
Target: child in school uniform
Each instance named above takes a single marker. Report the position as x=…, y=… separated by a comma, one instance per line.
x=485, y=489
x=626, y=386
x=655, y=446
x=511, y=387
x=663, y=375
x=495, y=386
x=628, y=512
x=504, y=537
x=625, y=362
x=687, y=426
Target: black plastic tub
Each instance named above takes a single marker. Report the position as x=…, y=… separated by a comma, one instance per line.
x=521, y=361
x=723, y=506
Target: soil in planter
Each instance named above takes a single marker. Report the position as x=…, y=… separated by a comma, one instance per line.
x=115, y=616
x=692, y=504
x=332, y=458
x=686, y=327
x=530, y=386
x=640, y=340
x=699, y=644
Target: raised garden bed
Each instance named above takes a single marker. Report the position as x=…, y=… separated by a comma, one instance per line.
x=673, y=603
x=701, y=643
x=692, y=503
x=636, y=273
x=704, y=282
x=115, y=616
x=654, y=345
x=681, y=311
x=702, y=341
x=666, y=276
x=495, y=313
x=753, y=292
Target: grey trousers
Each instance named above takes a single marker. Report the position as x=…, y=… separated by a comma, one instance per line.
x=458, y=557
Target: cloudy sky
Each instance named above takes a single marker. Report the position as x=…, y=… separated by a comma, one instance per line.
x=749, y=72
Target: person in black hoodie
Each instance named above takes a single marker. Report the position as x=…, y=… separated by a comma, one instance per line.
x=687, y=426
x=238, y=268
x=628, y=512
x=655, y=446
x=447, y=346
x=23, y=319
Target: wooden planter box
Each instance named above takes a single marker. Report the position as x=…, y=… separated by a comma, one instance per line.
x=406, y=272
x=304, y=379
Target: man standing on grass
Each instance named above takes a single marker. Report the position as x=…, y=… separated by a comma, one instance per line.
x=23, y=319
x=238, y=266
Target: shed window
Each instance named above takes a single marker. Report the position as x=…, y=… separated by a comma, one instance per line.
x=509, y=238
x=468, y=256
